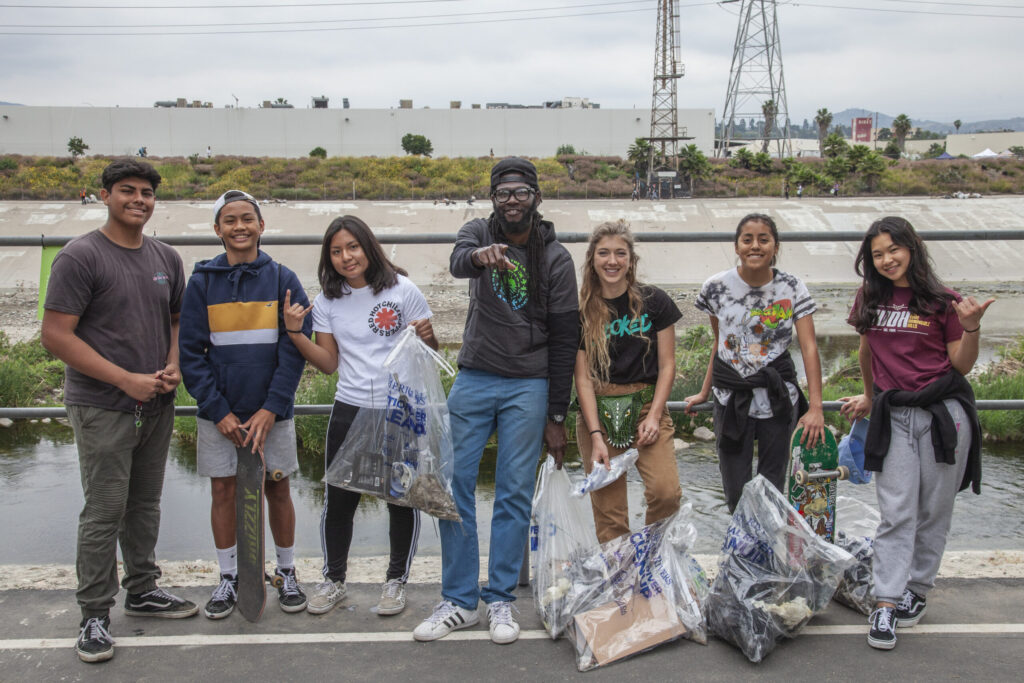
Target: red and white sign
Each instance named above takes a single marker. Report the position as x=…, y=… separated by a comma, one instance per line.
x=862, y=129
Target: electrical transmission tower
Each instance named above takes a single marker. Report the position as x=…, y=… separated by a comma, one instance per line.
x=757, y=87
x=665, y=132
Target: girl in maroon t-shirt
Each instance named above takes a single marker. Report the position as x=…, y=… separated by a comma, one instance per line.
x=914, y=335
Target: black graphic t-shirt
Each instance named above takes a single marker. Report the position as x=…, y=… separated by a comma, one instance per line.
x=632, y=359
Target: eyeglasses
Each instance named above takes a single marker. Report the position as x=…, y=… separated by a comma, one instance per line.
x=520, y=193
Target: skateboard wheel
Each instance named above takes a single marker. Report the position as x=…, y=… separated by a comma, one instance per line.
x=276, y=581
x=844, y=472
x=275, y=475
x=800, y=477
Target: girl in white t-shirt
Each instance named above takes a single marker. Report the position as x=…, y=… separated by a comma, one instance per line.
x=754, y=309
x=364, y=303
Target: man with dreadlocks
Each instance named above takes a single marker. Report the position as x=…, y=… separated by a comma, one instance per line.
x=515, y=373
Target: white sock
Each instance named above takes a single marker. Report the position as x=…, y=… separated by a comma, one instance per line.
x=227, y=558
x=285, y=557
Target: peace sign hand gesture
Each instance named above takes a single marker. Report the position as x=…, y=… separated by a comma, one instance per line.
x=970, y=311
x=294, y=314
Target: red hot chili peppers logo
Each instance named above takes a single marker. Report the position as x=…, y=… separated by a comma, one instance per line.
x=385, y=319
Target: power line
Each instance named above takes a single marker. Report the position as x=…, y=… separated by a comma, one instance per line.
x=913, y=11
x=353, y=3
x=335, y=21
x=326, y=29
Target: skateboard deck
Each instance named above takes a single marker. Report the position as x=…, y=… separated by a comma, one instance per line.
x=250, y=478
x=813, y=479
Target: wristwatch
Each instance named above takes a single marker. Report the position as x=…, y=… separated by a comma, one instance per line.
x=556, y=418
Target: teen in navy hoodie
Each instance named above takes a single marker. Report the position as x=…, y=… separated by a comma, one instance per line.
x=239, y=364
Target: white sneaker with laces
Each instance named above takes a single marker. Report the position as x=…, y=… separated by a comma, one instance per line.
x=447, y=617
x=325, y=596
x=504, y=629
x=392, y=598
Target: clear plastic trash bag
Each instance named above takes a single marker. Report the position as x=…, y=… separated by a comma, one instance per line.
x=774, y=573
x=402, y=453
x=560, y=525
x=858, y=523
x=600, y=477
x=636, y=592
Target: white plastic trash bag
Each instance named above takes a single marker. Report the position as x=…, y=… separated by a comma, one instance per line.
x=857, y=523
x=636, y=592
x=560, y=525
x=774, y=573
x=600, y=477
x=402, y=453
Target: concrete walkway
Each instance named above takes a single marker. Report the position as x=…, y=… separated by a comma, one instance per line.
x=974, y=630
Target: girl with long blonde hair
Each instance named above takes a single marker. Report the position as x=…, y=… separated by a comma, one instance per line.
x=624, y=372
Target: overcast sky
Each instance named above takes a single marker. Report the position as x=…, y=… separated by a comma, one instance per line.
x=900, y=56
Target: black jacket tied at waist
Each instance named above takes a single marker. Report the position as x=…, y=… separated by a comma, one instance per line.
x=944, y=435
x=772, y=377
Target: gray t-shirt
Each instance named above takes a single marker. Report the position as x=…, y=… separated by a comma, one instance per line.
x=124, y=299
x=505, y=333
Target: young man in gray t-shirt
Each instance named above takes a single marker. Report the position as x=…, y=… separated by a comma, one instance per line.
x=111, y=314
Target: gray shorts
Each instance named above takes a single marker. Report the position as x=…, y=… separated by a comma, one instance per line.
x=216, y=457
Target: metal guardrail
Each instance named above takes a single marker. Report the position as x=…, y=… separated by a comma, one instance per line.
x=565, y=237
x=325, y=409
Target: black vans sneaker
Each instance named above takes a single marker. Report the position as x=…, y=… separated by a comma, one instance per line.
x=289, y=593
x=158, y=603
x=882, y=635
x=94, y=642
x=910, y=609
x=222, y=602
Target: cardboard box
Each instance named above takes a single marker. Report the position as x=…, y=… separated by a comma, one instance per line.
x=625, y=627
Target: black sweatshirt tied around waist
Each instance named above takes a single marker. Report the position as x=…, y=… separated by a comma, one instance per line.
x=944, y=435
x=772, y=377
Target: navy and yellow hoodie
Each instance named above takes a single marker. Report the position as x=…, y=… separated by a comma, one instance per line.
x=235, y=355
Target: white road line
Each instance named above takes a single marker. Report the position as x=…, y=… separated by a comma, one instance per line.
x=198, y=640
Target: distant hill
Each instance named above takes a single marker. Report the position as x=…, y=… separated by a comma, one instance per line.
x=11, y=104
x=885, y=120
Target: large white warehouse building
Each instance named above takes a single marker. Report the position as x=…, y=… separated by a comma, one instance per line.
x=274, y=132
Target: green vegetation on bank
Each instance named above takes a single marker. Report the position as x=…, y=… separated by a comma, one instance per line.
x=858, y=170
x=29, y=376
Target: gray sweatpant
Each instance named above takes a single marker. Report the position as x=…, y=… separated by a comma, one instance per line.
x=122, y=470
x=915, y=499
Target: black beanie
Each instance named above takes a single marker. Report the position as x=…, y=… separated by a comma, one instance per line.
x=514, y=169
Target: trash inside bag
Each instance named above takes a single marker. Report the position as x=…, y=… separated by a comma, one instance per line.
x=858, y=523
x=774, y=573
x=851, y=452
x=636, y=592
x=600, y=477
x=402, y=453
x=560, y=525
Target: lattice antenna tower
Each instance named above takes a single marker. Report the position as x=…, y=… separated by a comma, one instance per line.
x=668, y=69
x=756, y=77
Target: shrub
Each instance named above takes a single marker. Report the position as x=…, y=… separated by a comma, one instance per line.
x=318, y=152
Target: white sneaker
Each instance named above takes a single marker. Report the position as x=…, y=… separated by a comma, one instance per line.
x=447, y=617
x=392, y=598
x=504, y=629
x=325, y=596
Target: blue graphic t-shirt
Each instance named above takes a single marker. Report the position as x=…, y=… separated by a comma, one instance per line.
x=633, y=359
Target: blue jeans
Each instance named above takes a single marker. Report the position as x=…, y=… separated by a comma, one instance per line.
x=480, y=403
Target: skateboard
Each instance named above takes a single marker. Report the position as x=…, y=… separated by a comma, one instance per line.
x=250, y=478
x=813, y=476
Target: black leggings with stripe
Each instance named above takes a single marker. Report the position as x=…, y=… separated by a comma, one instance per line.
x=340, y=509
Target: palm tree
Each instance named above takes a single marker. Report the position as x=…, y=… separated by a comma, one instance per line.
x=769, y=109
x=638, y=153
x=823, y=119
x=901, y=125
x=957, y=124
